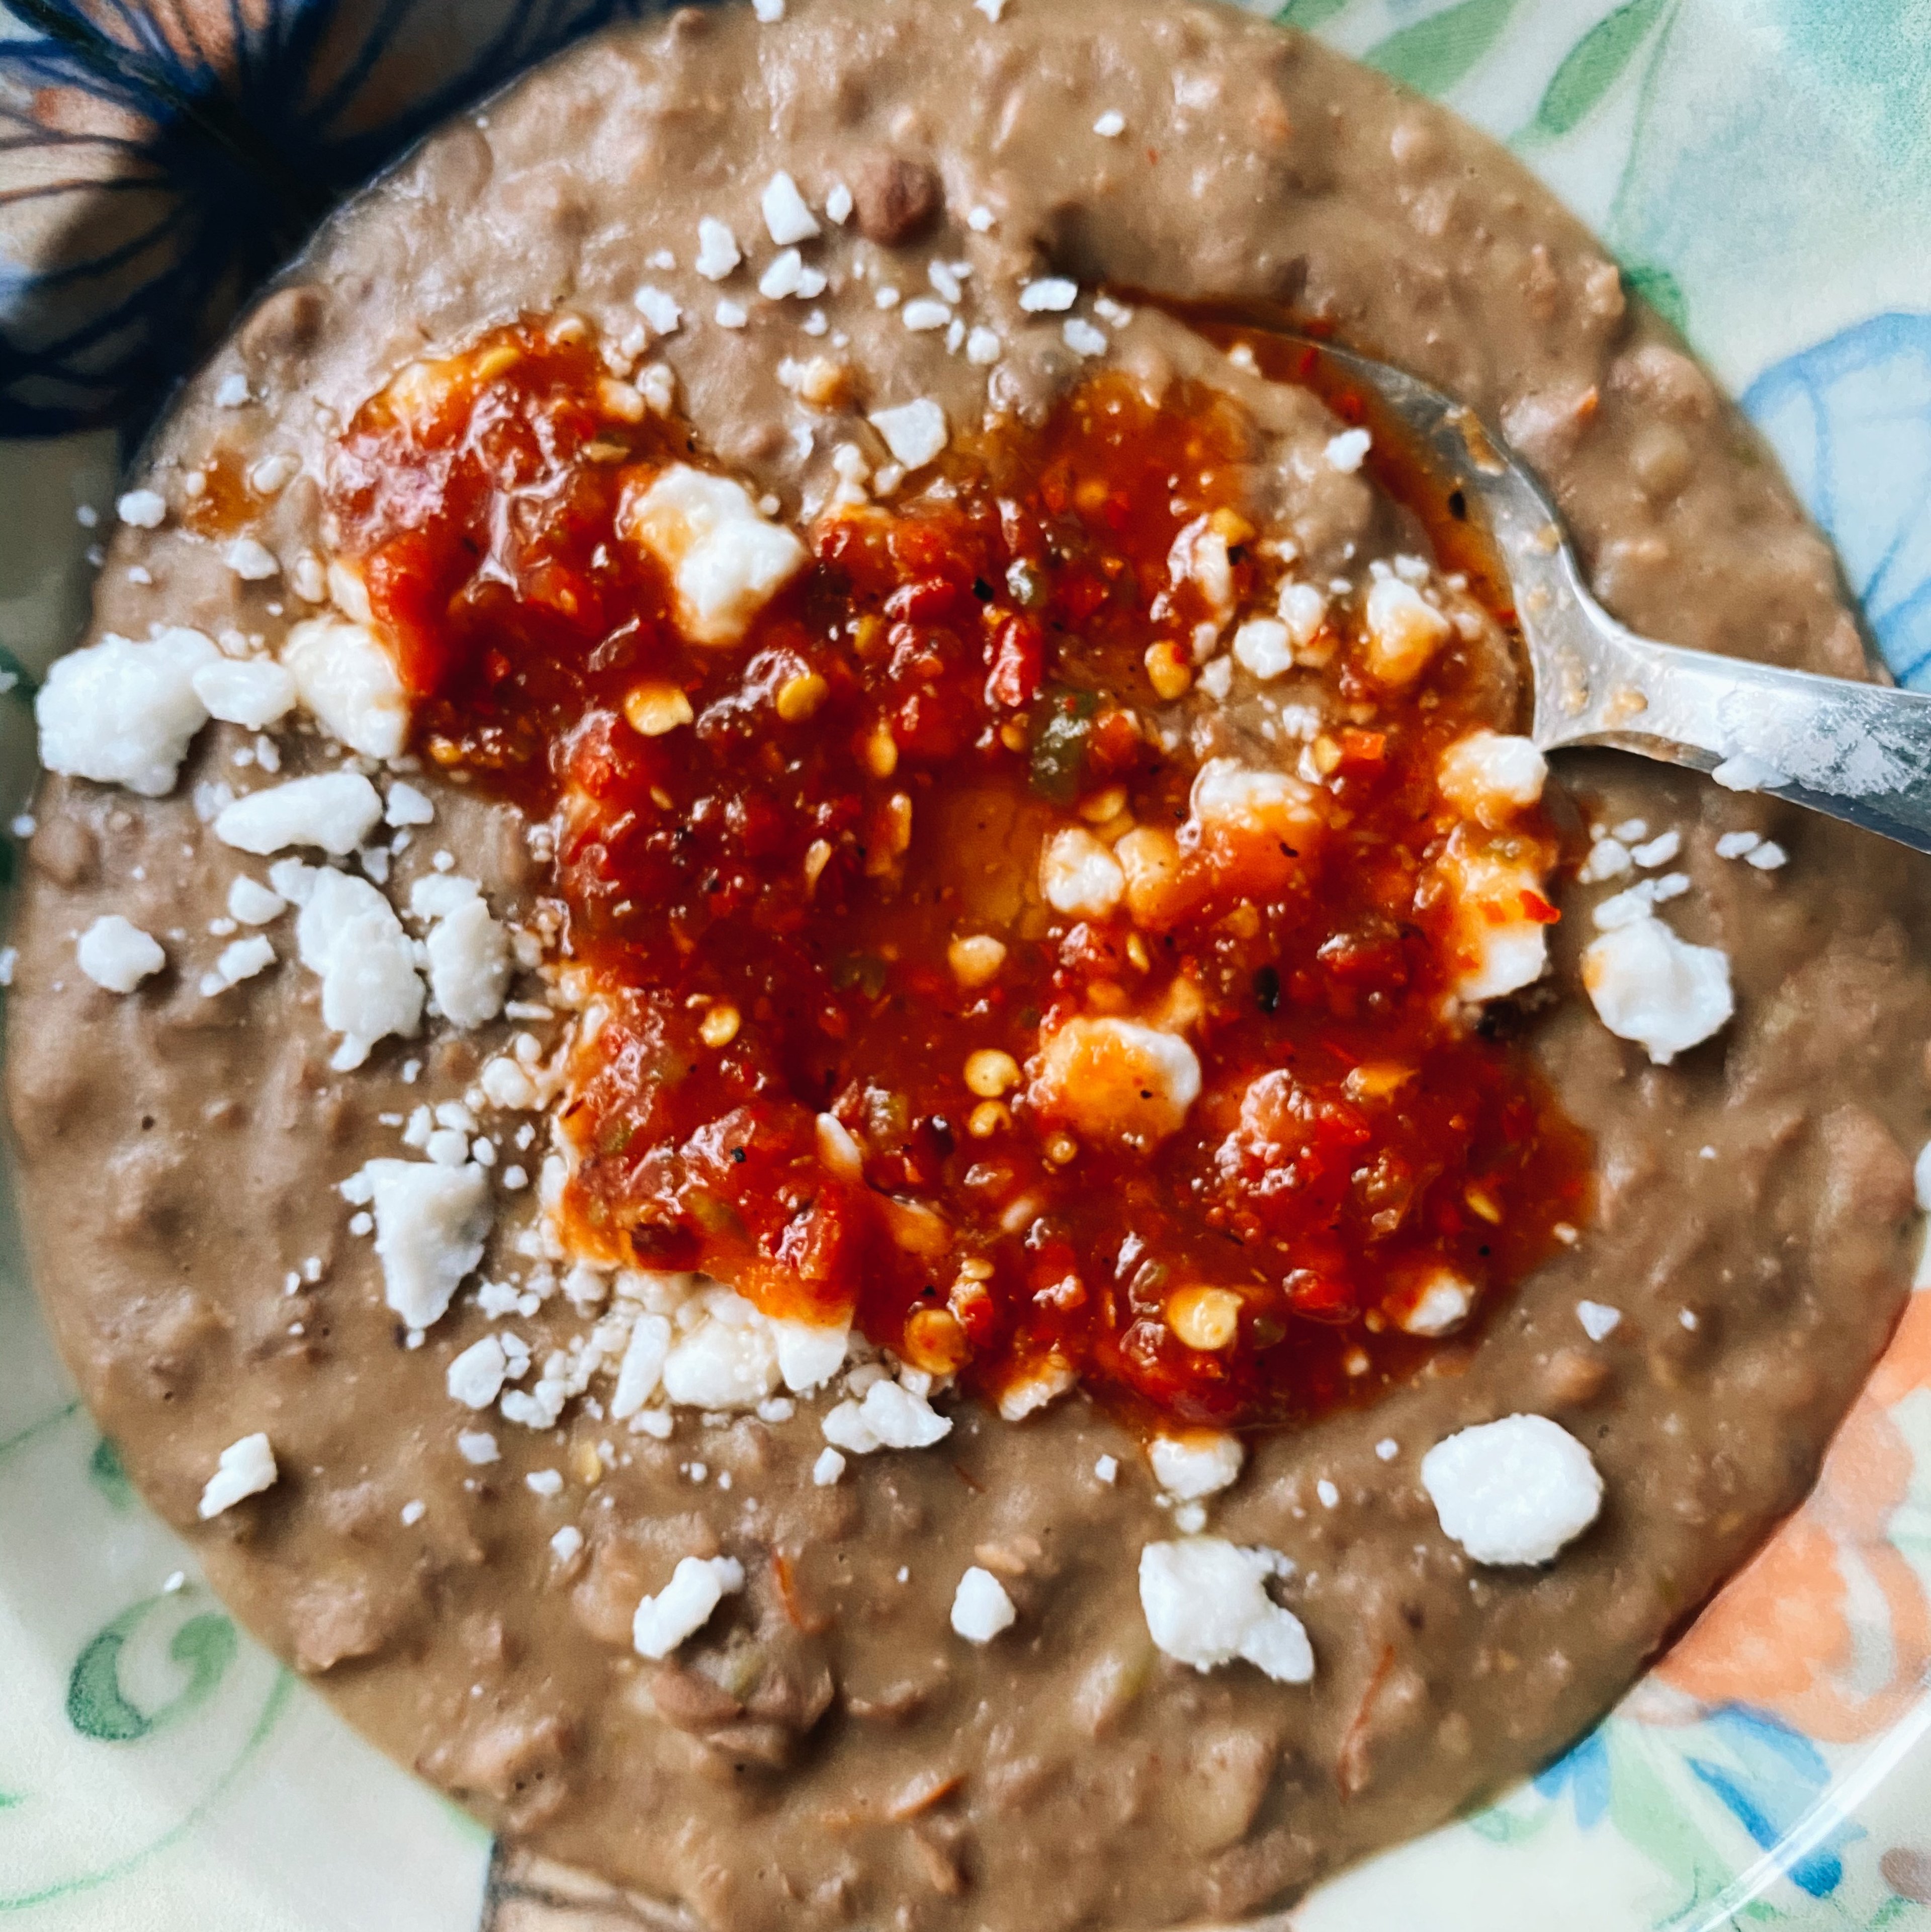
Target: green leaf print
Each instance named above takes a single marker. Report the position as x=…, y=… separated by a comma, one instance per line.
x=1592, y=66
x=105, y=1472
x=96, y=1705
x=23, y=685
x=1653, y=1818
x=1501, y=1826
x=1434, y=54
x=1308, y=14
x=1662, y=291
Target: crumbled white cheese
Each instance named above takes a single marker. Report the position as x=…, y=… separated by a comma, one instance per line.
x=1648, y=985
x=1513, y=1491
x=477, y=1447
x=659, y=309
x=726, y=1359
x=469, y=964
x=890, y=1417
x=246, y=1468
x=406, y=805
x=1405, y=630
x=252, y=903
x=1608, y=858
x=828, y=1469
x=981, y=1608
x=717, y=250
x=249, y=692
x=1303, y=608
x=144, y=509
x=1659, y=851
x=1768, y=856
x=684, y=1605
x=983, y=348
x=349, y=935
x=1078, y=876
x=231, y=391
x=349, y=682
x=1745, y=773
x=726, y=562
x=251, y=560
x=1043, y=1383
x=1230, y=800
x=1110, y=125
x=1205, y=1603
x=1200, y=1464
x=124, y=713
x=641, y=1370
x=786, y=216
x=243, y=960
x=784, y=276
x=922, y=315
x=1638, y=901
x=1115, y=1078
x=809, y=1355
x=839, y=203
x=475, y=1377
x=1347, y=451
x=914, y=432
x=1263, y=647
x=116, y=954
x=1440, y=1305
x=1081, y=337
x=1598, y=1320
x=431, y=1223
x=1500, y=946
x=1492, y=775
x=335, y=810
x=1736, y=844
x=568, y=1540
x=1048, y=296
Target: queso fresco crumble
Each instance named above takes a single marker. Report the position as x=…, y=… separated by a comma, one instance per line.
x=927, y=1015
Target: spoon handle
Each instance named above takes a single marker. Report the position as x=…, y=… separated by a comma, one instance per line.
x=1860, y=752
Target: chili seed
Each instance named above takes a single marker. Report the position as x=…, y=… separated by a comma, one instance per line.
x=798, y=697
x=651, y=709
x=1205, y=1318
x=975, y=959
x=936, y=1341
x=989, y=1072
x=988, y=1118
x=719, y=1027
x=1170, y=672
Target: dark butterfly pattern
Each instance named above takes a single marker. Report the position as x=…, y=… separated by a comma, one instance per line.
x=158, y=157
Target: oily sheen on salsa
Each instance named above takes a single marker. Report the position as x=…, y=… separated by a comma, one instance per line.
x=768, y=853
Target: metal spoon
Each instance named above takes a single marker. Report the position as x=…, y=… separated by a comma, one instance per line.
x=1861, y=752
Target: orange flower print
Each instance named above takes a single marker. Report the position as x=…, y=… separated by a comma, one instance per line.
x=1782, y=1635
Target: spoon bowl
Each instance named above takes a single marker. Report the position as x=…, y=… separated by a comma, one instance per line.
x=1859, y=752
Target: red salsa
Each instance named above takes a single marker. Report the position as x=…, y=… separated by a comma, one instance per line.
x=798, y=877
